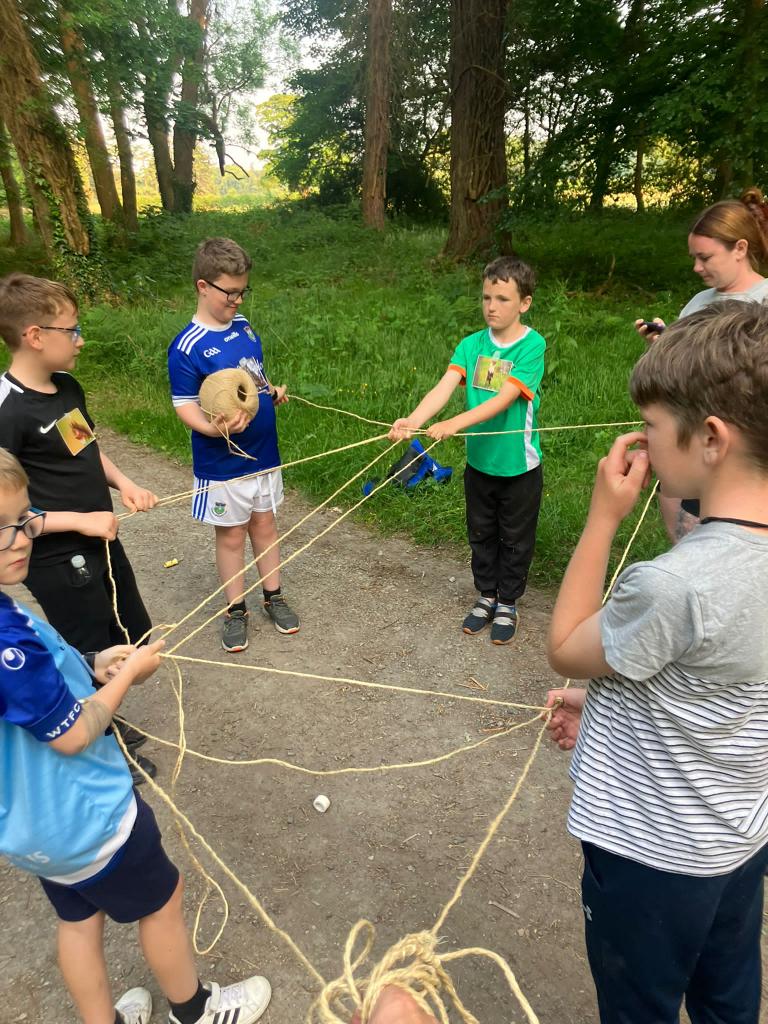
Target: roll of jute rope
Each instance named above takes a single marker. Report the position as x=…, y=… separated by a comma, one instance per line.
x=228, y=392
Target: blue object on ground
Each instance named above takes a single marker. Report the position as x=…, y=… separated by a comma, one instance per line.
x=413, y=468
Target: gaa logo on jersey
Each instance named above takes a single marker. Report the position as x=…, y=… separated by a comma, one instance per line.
x=13, y=659
x=219, y=508
x=249, y=331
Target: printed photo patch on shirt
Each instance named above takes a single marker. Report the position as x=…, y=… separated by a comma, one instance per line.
x=491, y=373
x=75, y=431
x=249, y=332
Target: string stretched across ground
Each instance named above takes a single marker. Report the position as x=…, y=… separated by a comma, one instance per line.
x=423, y=974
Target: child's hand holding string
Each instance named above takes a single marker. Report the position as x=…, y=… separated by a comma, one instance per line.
x=564, y=723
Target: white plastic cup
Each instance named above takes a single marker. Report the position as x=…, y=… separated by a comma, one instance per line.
x=321, y=803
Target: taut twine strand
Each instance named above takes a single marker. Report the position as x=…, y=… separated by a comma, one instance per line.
x=414, y=963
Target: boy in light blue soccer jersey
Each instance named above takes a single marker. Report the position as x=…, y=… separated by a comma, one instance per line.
x=228, y=496
x=68, y=810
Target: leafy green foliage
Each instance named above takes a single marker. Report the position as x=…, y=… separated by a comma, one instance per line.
x=368, y=324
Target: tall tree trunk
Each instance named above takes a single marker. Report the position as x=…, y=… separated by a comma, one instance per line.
x=637, y=178
x=478, y=157
x=124, y=149
x=605, y=157
x=527, y=128
x=157, y=130
x=377, y=113
x=185, y=128
x=90, y=121
x=45, y=154
x=12, y=192
x=752, y=89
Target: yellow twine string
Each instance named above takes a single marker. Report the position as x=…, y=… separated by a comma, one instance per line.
x=348, y=681
x=249, y=762
x=344, y=515
x=171, y=499
x=424, y=977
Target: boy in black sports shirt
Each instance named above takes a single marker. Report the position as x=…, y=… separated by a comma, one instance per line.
x=44, y=422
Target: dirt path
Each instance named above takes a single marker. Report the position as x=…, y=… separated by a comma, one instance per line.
x=392, y=846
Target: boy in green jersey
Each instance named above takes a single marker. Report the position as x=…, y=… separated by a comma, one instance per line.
x=501, y=369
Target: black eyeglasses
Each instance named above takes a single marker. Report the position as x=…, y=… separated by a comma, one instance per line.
x=231, y=296
x=74, y=333
x=31, y=527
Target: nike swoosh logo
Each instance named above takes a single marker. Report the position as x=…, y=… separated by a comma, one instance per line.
x=44, y=430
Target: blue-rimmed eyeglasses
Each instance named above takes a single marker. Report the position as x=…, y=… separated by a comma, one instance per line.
x=31, y=526
x=75, y=333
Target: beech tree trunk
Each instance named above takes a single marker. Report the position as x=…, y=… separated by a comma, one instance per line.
x=90, y=121
x=637, y=179
x=44, y=152
x=185, y=127
x=377, y=113
x=12, y=192
x=478, y=106
x=124, y=150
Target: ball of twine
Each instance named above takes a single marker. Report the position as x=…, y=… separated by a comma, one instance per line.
x=227, y=392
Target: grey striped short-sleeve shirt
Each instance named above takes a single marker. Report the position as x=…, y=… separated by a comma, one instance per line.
x=671, y=764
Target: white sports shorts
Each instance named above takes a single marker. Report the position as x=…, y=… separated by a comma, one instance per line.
x=231, y=502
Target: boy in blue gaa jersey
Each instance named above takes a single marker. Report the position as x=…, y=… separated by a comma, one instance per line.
x=500, y=369
x=670, y=766
x=69, y=813
x=228, y=495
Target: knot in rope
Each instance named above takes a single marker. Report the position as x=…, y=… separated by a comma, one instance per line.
x=411, y=964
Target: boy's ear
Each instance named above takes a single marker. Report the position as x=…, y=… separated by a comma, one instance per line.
x=525, y=303
x=30, y=337
x=198, y=283
x=717, y=439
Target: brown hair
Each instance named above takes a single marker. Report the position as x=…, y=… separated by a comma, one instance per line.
x=730, y=221
x=26, y=300
x=217, y=256
x=12, y=474
x=711, y=363
x=510, y=268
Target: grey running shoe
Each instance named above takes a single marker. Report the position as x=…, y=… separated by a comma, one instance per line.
x=480, y=615
x=505, y=623
x=285, y=619
x=135, y=1007
x=234, y=632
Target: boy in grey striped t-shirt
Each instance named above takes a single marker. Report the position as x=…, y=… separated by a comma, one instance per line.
x=670, y=766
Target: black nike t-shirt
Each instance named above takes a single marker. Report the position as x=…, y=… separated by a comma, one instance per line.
x=52, y=437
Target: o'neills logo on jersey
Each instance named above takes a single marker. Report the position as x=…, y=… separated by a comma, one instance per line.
x=231, y=336
x=13, y=659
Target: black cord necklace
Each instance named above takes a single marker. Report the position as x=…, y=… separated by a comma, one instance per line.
x=736, y=522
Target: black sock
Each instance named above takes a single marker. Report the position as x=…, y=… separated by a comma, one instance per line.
x=238, y=606
x=119, y=1018
x=269, y=594
x=193, y=1009
x=489, y=594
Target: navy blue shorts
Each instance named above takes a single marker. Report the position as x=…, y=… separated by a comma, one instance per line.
x=141, y=882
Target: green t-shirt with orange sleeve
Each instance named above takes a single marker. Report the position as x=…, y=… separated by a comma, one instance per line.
x=485, y=365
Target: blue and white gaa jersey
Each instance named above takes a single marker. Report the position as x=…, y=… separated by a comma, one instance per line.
x=62, y=817
x=199, y=351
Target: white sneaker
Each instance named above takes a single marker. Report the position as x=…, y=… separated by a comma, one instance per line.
x=242, y=1003
x=135, y=1006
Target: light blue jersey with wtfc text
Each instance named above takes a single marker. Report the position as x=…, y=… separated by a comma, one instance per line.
x=62, y=817
x=196, y=353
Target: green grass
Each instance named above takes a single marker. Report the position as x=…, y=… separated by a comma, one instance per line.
x=368, y=323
